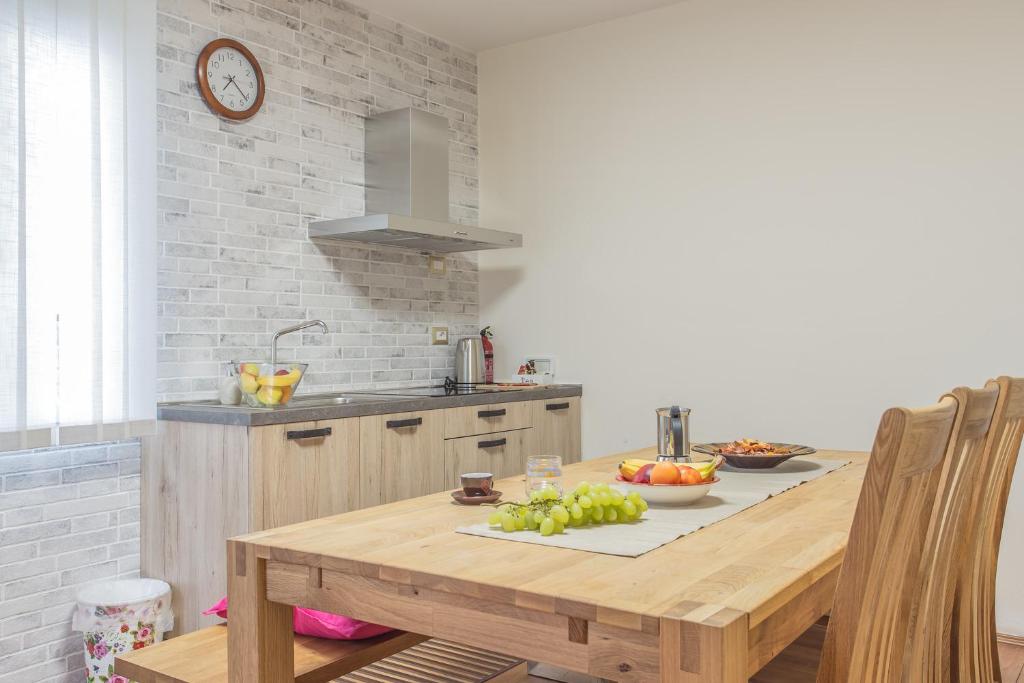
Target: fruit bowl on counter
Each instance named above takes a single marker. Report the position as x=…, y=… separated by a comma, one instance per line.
x=268, y=385
x=666, y=482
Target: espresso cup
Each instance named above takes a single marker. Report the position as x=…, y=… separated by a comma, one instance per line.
x=477, y=483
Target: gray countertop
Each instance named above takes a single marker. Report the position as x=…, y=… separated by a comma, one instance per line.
x=213, y=412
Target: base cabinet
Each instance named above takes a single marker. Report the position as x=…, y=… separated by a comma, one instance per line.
x=556, y=428
x=303, y=471
x=401, y=456
x=204, y=483
x=503, y=454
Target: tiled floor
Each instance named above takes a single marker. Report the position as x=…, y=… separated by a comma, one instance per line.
x=1011, y=658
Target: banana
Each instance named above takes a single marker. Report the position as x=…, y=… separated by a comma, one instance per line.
x=707, y=468
x=627, y=468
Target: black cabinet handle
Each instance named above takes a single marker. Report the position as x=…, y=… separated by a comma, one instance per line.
x=491, y=444
x=556, y=406
x=309, y=433
x=398, y=424
x=491, y=413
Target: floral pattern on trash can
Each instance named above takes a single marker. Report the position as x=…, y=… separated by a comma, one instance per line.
x=114, y=629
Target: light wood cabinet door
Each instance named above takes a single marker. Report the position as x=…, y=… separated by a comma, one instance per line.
x=401, y=456
x=303, y=471
x=502, y=454
x=556, y=428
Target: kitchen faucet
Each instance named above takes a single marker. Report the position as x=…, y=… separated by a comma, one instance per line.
x=294, y=328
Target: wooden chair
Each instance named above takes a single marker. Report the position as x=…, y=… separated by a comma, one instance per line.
x=975, y=655
x=948, y=537
x=897, y=574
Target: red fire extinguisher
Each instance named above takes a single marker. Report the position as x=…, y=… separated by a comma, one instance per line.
x=485, y=335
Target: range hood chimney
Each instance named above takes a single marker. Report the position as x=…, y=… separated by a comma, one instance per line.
x=407, y=190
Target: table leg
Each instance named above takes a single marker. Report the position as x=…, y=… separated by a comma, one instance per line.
x=703, y=643
x=261, y=643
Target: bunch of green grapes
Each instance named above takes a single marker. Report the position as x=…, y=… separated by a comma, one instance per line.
x=586, y=504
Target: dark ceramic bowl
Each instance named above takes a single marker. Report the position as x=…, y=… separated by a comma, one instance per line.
x=753, y=462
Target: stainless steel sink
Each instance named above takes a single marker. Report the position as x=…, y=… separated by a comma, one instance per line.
x=300, y=401
x=317, y=400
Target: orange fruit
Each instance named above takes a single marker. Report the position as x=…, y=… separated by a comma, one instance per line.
x=665, y=473
x=688, y=475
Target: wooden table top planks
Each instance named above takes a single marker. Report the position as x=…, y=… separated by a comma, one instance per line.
x=714, y=605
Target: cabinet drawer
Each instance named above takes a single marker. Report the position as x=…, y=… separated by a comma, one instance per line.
x=503, y=454
x=498, y=417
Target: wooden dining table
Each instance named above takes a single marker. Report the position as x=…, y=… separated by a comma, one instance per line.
x=712, y=606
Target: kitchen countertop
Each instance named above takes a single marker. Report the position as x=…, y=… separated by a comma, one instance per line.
x=213, y=412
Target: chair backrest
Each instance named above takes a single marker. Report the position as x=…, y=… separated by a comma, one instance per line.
x=948, y=541
x=876, y=594
x=974, y=629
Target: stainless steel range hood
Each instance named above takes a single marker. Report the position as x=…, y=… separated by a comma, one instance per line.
x=407, y=190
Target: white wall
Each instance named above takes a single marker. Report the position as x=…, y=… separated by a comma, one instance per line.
x=785, y=215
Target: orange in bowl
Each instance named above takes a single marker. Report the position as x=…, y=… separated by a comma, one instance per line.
x=665, y=473
x=688, y=475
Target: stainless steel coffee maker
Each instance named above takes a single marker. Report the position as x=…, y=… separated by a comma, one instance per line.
x=674, y=434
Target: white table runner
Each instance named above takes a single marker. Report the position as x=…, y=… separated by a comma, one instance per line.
x=737, y=490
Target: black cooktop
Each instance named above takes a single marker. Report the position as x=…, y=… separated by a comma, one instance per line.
x=449, y=388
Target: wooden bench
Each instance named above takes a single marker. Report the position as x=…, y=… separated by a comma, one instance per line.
x=442, y=661
x=202, y=657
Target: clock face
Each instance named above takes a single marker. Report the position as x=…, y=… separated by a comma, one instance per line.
x=230, y=79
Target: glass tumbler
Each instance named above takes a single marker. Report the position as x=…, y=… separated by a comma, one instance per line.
x=543, y=471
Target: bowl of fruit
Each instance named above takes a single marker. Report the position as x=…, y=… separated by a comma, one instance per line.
x=269, y=385
x=666, y=482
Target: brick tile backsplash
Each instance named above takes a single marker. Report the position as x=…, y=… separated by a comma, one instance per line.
x=68, y=517
x=235, y=198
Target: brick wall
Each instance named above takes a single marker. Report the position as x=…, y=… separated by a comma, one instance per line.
x=67, y=517
x=235, y=264
x=234, y=198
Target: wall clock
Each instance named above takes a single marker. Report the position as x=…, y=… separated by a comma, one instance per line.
x=230, y=79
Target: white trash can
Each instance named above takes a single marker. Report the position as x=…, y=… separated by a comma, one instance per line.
x=117, y=617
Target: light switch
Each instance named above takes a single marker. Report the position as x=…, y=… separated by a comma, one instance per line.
x=439, y=336
x=436, y=266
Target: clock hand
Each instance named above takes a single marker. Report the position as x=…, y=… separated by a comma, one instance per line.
x=231, y=80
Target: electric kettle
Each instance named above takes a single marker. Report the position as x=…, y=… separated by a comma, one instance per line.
x=469, y=361
x=673, y=434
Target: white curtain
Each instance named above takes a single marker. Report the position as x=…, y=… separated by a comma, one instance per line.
x=77, y=220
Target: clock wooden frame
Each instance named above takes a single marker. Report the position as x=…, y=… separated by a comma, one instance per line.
x=202, y=76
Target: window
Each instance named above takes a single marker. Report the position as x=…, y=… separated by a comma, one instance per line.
x=77, y=220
